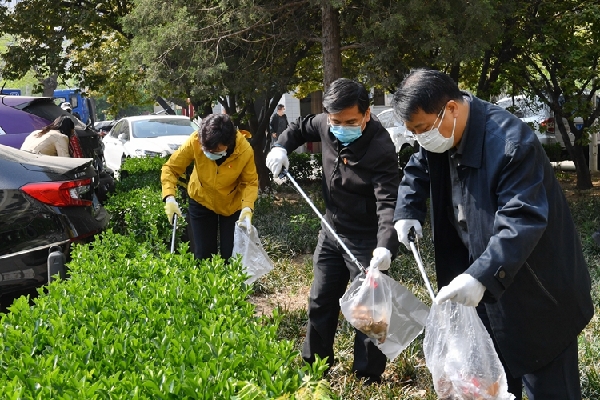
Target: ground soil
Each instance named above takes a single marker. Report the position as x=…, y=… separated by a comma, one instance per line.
x=568, y=181
x=285, y=299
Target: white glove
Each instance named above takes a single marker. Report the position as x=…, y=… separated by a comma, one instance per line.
x=403, y=226
x=245, y=220
x=463, y=289
x=172, y=208
x=276, y=159
x=382, y=258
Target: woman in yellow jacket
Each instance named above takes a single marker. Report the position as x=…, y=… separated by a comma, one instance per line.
x=223, y=185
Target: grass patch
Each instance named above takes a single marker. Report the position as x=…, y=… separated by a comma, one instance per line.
x=282, y=217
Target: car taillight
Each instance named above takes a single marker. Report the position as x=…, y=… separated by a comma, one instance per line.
x=61, y=193
x=549, y=124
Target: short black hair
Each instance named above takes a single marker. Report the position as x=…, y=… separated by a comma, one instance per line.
x=217, y=129
x=424, y=89
x=344, y=93
x=280, y=106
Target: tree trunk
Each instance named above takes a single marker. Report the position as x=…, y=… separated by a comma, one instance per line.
x=332, y=56
x=584, y=178
x=455, y=73
x=259, y=121
x=50, y=84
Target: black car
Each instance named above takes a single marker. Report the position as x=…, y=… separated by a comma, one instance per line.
x=46, y=204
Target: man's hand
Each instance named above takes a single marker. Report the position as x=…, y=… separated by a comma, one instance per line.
x=172, y=208
x=403, y=226
x=382, y=258
x=245, y=220
x=276, y=160
x=463, y=289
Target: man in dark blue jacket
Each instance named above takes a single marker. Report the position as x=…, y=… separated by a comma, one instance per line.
x=360, y=185
x=503, y=235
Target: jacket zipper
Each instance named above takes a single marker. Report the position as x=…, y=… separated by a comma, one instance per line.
x=540, y=283
x=335, y=168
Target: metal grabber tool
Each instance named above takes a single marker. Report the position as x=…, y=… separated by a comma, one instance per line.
x=173, y=234
x=285, y=173
x=413, y=241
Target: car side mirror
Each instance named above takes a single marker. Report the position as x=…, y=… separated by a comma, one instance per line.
x=122, y=137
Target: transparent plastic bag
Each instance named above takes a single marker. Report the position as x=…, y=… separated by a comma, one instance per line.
x=407, y=321
x=461, y=357
x=367, y=304
x=255, y=260
x=384, y=310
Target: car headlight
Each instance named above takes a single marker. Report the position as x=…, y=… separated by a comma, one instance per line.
x=173, y=146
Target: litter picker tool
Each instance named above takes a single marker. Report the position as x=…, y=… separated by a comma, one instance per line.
x=173, y=234
x=406, y=315
x=285, y=173
x=412, y=240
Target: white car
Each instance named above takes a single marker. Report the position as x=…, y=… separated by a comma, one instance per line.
x=145, y=135
x=535, y=114
x=398, y=133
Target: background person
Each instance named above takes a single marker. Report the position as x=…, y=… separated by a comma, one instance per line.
x=222, y=187
x=67, y=127
x=188, y=110
x=360, y=182
x=50, y=140
x=503, y=234
x=66, y=106
x=278, y=123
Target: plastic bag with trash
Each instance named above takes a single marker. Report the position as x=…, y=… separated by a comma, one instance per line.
x=255, y=260
x=460, y=355
x=384, y=310
x=367, y=304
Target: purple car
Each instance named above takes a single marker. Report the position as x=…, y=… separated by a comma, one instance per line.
x=16, y=122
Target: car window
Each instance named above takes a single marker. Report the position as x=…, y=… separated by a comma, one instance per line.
x=125, y=131
x=524, y=107
x=74, y=101
x=117, y=129
x=162, y=127
x=388, y=119
x=59, y=100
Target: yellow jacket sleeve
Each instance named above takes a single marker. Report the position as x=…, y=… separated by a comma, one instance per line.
x=249, y=182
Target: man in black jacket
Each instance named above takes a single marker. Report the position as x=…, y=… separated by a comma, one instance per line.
x=278, y=123
x=360, y=181
x=504, y=239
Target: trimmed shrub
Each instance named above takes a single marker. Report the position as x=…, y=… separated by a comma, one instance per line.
x=141, y=172
x=136, y=325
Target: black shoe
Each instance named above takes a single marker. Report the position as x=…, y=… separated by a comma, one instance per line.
x=596, y=237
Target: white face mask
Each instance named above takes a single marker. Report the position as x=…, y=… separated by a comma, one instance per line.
x=433, y=140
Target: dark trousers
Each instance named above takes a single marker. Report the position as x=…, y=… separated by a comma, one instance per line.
x=209, y=229
x=558, y=380
x=333, y=269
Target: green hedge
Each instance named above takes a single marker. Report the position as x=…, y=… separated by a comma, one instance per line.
x=140, y=173
x=140, y=212
x=136, y=322
x=130, y=324
x=137, y=208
